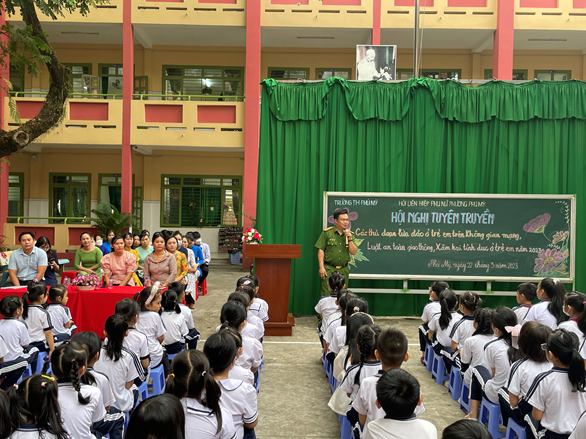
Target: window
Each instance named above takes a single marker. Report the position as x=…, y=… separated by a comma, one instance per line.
x=69, y=196
x=15, y=195
x=518, y=75
x=110, y=78
x=553, y=75
x=77, y=71
x=17, y=77
x=209, y=81
x=328, y=73
x=110, y=192
x=200, y=201
x=288, y=73
x=431, y=73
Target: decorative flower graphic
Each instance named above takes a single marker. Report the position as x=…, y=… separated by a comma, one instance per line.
x=547, y=260
x=537, y=225
x=560, y=236
x=359, y=256
x=352, y=216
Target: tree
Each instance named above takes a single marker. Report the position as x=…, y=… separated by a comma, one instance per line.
x=30, y=47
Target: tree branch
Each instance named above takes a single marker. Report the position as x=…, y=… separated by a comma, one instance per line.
x=53, y=107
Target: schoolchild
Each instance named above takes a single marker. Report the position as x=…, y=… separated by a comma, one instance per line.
x=158, y=417
x=258, y=302
x=135, y=341
x=575, y=308
x=176, y=328
x=192, y=337
x=526, y=293
x=233, y=314
x=463, y=328
x=442, y=323
x=63, y=326
x=429, y=310
x=327, y=304
x=550, y=310
x=38, y=319
x=472, y=354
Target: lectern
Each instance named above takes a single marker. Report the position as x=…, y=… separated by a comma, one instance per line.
x=273, y=267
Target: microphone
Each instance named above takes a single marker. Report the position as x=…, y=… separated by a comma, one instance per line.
x=345, y=231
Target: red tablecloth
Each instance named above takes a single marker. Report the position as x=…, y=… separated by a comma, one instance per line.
x=89, y=309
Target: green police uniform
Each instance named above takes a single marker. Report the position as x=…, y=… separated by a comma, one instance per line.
x=336, y=255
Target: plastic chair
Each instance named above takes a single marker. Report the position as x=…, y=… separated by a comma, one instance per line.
x=438, y=370
x=465, y=397
x=515, y=430
x=4, y=275
x=204, y=287
x=490, y=415
x=158, y=377
x=455, y=383
x=334, y=384
x=143, y=393
x=428, y=357
x=345, y=429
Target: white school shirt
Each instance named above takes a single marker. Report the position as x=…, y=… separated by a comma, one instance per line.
x=572, y=326
x=539, y=313
x=250, y=330
x=254, y=320
x=242, y=374
x=187, y=315
x=523, y=374
x=369, y=369
x=580, y=430
x=495, y=353
x=239, y=398
x=462, y=330
x=443, y=335
x=137, y=344
x=78, y=418
x=365, y=402
x=176, y=327
x=473, y=353
x=38, y=321
x=151, y=324
x=521, y=311
x=103, y=383
x=326, y=306
x=338, y=340
x=119, y=372
x=333, y=324
x=262, y=303
x=251, y=353
x=202, y=423
x=430, y=309
x=30, y=431
x=256, y=309
x=551, y=393
x=15, y=335
x=3, y=348
x=60, y=316
x=393, y=429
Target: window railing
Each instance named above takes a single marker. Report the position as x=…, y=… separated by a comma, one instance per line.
x=21, y=94
x=225, y=98
x=65, y=219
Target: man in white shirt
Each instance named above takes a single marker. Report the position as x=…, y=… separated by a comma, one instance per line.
x=27, y=263
x=207, y=256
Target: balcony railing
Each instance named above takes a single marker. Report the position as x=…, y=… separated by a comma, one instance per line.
x=317, y=13
x=550, y=15
x=190, y=12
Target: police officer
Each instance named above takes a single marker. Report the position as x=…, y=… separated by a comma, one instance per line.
x=335, y=246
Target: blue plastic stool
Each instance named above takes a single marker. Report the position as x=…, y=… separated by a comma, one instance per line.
x=428, y=358
x=345, y=429
x=465, y=397
x=438, y=370
x=455, y=384
x=490, y=415
x=143, y=393
x=158, y=376
x=515, y=430
x=334, y=384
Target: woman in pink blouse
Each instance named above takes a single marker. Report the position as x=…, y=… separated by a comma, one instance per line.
x=160, y=265
x=119, y=265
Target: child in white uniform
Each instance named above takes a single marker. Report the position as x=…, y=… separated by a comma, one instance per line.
x=327, y=304
x=463, y=328
x=523, y=372
x=192, y=337
x=81, y=405
x=549, y=311
x=117, y=363
x=63, y=327
x=472, y=354
x=233, y=314
x=135, y=341
x=398, y=394
x=526, y=293
x=498, y=355
x=558, y=396
x=429, y=310
x=335, y=338
x=205, y=418
x=159, y=416
x=238, y=372
x=176, y=328
x=151, y=324
x=254, y=328
x=38, y=319
x=575, y=307
x=36, y=396
x=440, y=326
x=259, y=317
x=259, y=307
x=237, y=396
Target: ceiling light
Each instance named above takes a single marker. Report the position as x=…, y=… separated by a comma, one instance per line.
x=80, y=33
x=547, y=39
x=315, y=38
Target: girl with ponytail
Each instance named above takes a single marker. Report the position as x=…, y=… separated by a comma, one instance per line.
x=429, y=310
x=442, y=323
x=575, y=307
x=34, y=408
x=472, y=353
x=192, y=381
x=38, y=319
x=233, y=315
x=550, y=310
x=326, y=306
x=81, y=405
x=558, y=396
x=175, y=325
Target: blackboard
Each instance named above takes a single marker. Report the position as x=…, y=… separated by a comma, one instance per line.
x=482, y=237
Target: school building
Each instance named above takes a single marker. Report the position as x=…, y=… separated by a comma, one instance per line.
x=164, y=114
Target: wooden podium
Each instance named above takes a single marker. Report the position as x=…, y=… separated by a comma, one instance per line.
x=273, y=268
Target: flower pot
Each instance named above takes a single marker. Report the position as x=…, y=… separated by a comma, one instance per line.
x=86, y=287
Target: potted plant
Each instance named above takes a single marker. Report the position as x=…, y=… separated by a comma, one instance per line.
x=107, y=217
x=87, y=282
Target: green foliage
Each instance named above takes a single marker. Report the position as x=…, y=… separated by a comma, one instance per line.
x=107, y=217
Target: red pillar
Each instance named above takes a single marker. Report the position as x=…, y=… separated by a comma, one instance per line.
x=4, y=74
x=376, y=15
x=127, y=90
x=251, y=108
x=502, y=58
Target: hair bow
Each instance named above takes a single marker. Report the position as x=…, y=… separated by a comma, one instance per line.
x=514, y=331
x=246, y=282
x=154, y=290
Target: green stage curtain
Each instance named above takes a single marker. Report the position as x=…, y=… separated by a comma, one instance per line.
x=420, y=135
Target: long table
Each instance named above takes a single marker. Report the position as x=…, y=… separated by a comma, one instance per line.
x=89, y=309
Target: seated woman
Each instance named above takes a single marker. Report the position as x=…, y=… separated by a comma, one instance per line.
x=173, y=246
x=128, y=243
x=107, y=245
x=52, y=261
x=136, y=241
x=160, y=265
x=144, y=250
x=88, y=257
x=118, y=266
